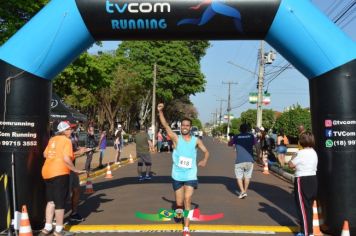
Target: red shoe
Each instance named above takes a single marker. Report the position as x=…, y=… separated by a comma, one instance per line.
x=186, y=233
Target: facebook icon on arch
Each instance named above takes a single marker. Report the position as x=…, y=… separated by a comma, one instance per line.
x=328, y=133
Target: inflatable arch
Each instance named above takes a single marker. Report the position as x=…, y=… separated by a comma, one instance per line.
x=65, y=28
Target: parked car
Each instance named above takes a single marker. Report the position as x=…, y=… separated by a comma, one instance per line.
x=195, y=131
x=166, y=146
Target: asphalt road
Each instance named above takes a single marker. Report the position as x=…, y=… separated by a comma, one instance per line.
x=268, y=209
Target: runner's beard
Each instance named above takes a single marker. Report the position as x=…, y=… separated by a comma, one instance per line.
x=185, y=131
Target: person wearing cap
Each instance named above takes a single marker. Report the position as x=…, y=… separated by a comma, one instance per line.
x=119, y=142
x=55, y=172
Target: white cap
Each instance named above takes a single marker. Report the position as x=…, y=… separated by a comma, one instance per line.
x=119, y=126
x=62, y=126
x=262, y=129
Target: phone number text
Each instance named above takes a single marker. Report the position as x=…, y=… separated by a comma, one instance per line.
x=18, y=143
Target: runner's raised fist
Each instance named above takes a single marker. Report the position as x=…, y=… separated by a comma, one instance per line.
x=160, y=107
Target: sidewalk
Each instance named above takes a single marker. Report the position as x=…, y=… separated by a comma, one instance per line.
x=109, y=157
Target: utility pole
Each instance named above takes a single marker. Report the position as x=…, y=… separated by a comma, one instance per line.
x=214, y=118
x=264, y=58
x=220, y=115
x=228, y=107
x=154, y=104
x=260, y=86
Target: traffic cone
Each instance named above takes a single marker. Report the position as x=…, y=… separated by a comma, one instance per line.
x=25, y=226
x=345, y=229
x=108, y=172
x=89, y=186
x=265, y=168
x=316, y=220
x=131, y=160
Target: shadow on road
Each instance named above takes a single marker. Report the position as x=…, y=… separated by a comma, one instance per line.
x=270, y=193
x=275, y=214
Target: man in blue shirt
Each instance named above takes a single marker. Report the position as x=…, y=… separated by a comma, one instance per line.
x=184, y=168
x=243, y=143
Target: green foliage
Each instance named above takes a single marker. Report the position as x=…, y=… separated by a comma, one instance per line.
x=15, y=13
x=180, y=108
x=250, y=116
x=85, y=77
x=197, y=123
x=235, y=125
x=118, y=85
x=290, y=120
x=178, y=70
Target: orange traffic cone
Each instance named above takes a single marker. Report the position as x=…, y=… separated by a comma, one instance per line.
x=108, y=172
x=131, y=160
x=265, y=168
x=25, y=226
x=89, y=186
x=345, y=229
x=316, y=221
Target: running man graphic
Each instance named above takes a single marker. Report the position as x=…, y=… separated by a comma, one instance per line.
x=214, y=7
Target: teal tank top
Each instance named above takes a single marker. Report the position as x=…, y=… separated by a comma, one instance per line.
x=185, y=160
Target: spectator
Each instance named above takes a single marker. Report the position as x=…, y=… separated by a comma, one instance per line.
x=90, y=144
x=74, y=183
x=282, y=142
x=159, y=140
x=243, y=143
x=102, y=147
x=150, y=135
x=143, y=146
x=258, y=135
x=305, y=183
x=169, y=142
x=55, y=172
x=119, y=142
x=301, y=129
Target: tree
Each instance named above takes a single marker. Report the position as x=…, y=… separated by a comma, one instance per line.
x=235, y=125
x=181, y=108
x=178, y=71
x=291, y=119
x=249, y=117
x=81, y=82
x=196, y=122
x=116, y=100
x=15, y=13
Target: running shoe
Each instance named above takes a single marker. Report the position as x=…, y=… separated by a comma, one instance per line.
x=178, y=215
x=141, y=178
x=45, y=232
x=62, y=233
x=76, y=217
x=242, y=195
x=186, y=232
x=147, y=177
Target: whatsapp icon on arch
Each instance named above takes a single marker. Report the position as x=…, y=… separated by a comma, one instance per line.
x=329, y=143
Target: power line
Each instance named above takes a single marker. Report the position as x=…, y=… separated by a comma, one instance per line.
x=345, y=10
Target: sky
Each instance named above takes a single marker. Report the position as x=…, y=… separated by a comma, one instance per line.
x=224, y=59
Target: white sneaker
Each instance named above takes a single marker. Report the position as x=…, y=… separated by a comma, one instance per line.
x=242, y=195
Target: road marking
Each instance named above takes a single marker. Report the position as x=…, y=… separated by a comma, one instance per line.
x=173, y=228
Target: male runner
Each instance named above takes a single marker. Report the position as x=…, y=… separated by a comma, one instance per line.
x=184, y=168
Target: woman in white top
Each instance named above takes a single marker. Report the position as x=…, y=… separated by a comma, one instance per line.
x=305, y=183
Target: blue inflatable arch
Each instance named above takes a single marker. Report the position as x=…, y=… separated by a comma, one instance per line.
x=66, y=28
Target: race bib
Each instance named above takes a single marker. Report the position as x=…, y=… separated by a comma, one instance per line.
x=185, y=162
